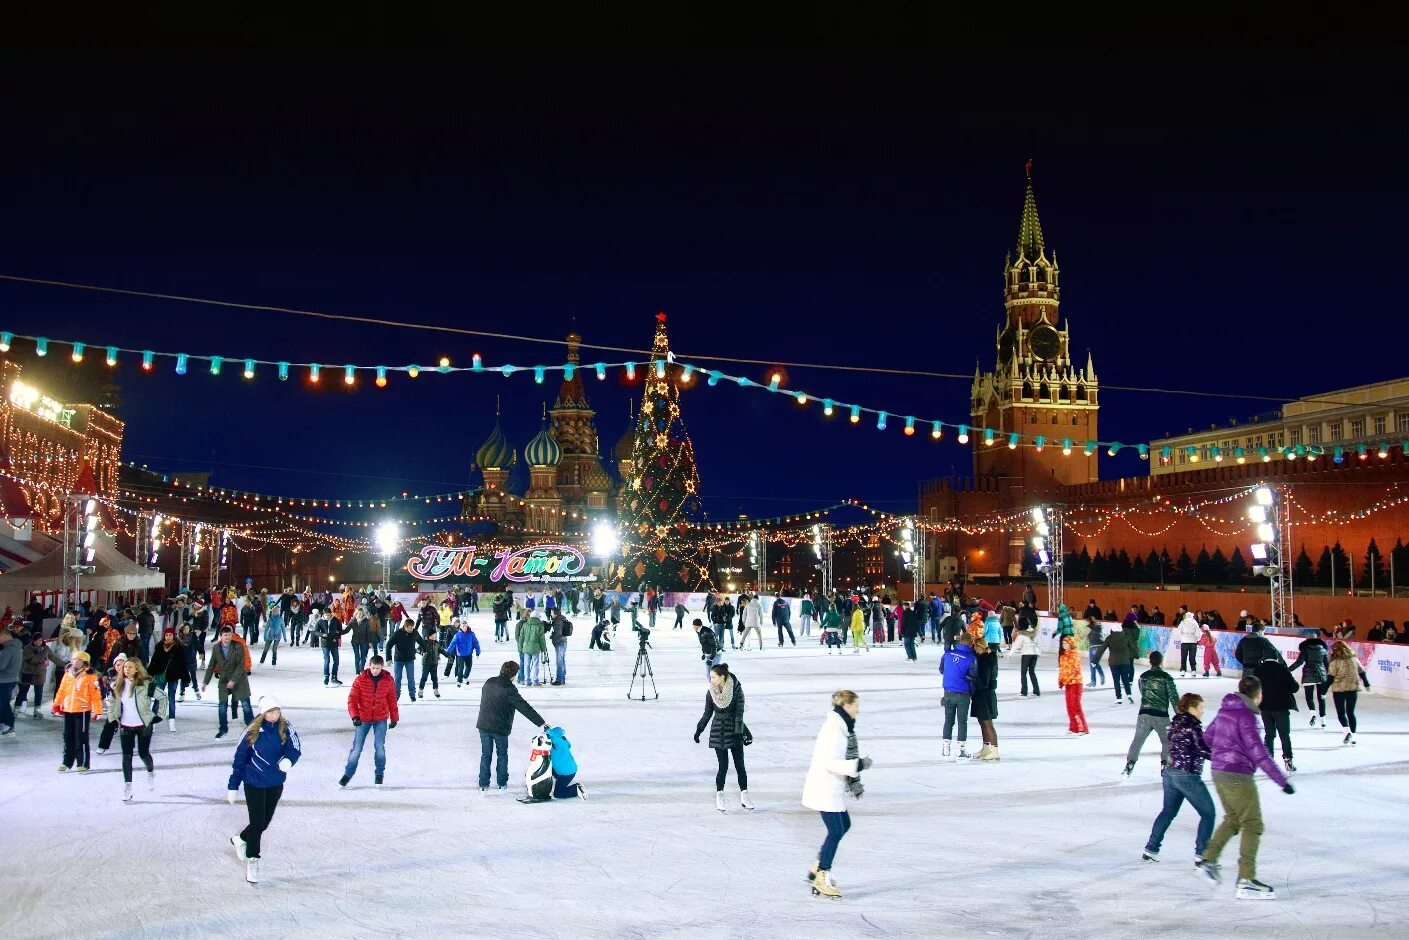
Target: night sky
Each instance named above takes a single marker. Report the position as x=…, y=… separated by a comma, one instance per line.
x=1226, y=221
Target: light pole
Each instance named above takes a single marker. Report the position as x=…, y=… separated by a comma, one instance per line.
x=605, y=543
x=912, y=553
x=822, y=548
x=388, y=536
x=1047, y=545
x=1269, y=551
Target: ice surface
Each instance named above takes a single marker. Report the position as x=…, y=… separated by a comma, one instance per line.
x=1046, y=843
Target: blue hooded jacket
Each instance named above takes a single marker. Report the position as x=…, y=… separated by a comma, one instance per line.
x=463, y=643
x=992, y=629
x=960, y=668
x=563, y=764
x=258, y=765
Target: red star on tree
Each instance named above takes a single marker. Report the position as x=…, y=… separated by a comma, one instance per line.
x=661, y=316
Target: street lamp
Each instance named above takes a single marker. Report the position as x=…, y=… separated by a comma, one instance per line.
x=605, y=543
x=1269, y=552
x=388, y=536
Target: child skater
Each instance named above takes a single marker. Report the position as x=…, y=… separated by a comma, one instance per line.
x=1069, y=677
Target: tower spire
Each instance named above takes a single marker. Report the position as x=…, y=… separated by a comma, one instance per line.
x=1030, y=242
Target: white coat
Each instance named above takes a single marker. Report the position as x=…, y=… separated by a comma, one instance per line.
x=1024, y=645
x=753, y=615
x=825, y=786
x=1189, y=629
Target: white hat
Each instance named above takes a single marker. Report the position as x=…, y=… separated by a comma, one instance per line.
x=268, y=703
x=1242, y=613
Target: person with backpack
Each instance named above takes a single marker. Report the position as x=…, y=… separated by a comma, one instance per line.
x=1237, y=752
x=1279, y=688
x=1157, y=695
x=1314, y=661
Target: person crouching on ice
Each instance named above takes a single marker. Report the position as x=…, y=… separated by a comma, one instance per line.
x=564, y=768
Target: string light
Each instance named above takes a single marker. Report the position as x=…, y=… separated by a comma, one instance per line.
x=111, y=357
x=181, y=364
x=881, y=421
x=77, y=354
x=148, y=359
x=249, y=368
x=381, y=376
x=41, y=347
x=314, y=371
x=444, y=364
x=936, y=430
x=963, y=434
x=828, y=406
x=413, y=371
x=215, y=363
x=909, y=426
x=6, y=341
x=855, y=414
x=476, y=363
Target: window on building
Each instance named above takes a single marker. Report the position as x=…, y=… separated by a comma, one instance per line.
x=1313, y=434
x=1401, y=422
x=1357, y=428
x=1337, y=431
x=1296, y=436
x=1379, y=424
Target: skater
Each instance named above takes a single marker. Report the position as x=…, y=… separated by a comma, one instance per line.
x=709, y=646
x=1253, y=649
x=501, y=607
x=131, y=705
x=273, y=634
x=430, y=663
x=1210, y=646
x=403, y=647
x=804, y=625
x=79, y=698
x=498, y=701
x=1344, y=671
x=1121, y=658
x=227, y=660
x=187, y=640
x=959, y=668
x=751, y=616
x=464, y=647
x=268, y=750
x=565, y=767
x=1188, y=627
x=249, y=621
x=1024, y=647
x=680, y=612
x=1237, y=752
x=361, y=639
x=560, y=630
x=984, y=706
x=1095, y=649
x=724, y=713
x=1183, y=779
x=169, y=667
x=834, y=772
x=1279, y=688
x=34, y=671
x=782, y=616
x=330, y=631
x=1066, y=626
x=371, y=703
x=601, y=637
x=1314, y=661
x=831, y=630
x=1069, y=678
x=858, y=630
x=1157, y=694
x=528, y=635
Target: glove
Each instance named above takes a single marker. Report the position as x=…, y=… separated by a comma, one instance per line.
x=1289, y=789
x=356, y=722
x=865, y=763
x=230, y=796
x=285, y=764
x=697, y=737
x=391, y=725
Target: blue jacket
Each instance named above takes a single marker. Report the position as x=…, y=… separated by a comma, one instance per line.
x=463, y=643
x=258, y=765
x=992, y=629
x=563, y=764
x=960, y=668
x=936, y=610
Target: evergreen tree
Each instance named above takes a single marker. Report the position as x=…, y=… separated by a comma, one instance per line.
x=1154, y=565
x=1183, y=566
x=1218, y=567
x=1304, y=572
x=1137, y=570
x=1100, y=570
x=1166, y=568
x=1071, y=564
x=1342, y=562
x=1323, y=567
x=664, y=485
x=1203, y=568
x=1373, y=572
x=1238, y=566
x=1120, y=568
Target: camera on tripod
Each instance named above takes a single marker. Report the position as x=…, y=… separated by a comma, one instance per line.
x=642, y=669
x=645, y=635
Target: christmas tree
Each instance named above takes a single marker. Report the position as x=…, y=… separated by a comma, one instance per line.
x=664, y=485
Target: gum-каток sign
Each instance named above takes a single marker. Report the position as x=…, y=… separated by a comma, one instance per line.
x=542, y=564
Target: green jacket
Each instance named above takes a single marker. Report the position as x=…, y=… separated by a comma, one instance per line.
x=1157, y=692
x=807, y=607
x=529, y=636
x=831, y=620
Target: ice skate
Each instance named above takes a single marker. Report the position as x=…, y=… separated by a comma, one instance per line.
x=581, y=792
x=81, y=769
x=822, y=886
x=1313, y=721
x=252, y=871
x=1323, y=722
x=103, y=750
x=437, y=692
x=63, y=768
x=1129, y=768
x=151, y=780
x=239, y=846
x=1119, y=702
x=1149, y=856
x=719, y=801
x=1210, y=870
x=812, y=874
x=992, y=754
x=1250, y=889
x=1348, y=739
x=744, y=800
x=198, y=691
x=34, y=712
x=345, y=779
x=1287, y=763
x=182, y=696
x=127, y=793
x=377, y=781
x=171, y=724
x=963, y=751
x=1352, y=737
x=945, y=753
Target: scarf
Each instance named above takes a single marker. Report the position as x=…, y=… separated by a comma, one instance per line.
x=722, y=697
x=853, y=751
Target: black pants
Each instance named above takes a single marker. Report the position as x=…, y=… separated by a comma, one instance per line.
x=142, y=737
x=723, y=755
x=463, y=665
x=788, y=627
x=1319, y=691
x=76, y=739
x=1345, y=708
x=1029, y=669
x=1278, y=725
x=105, y=737
x=679, y=619
x=260, y=801
x=1188, y=657
x=429, y=674
x=449, y=664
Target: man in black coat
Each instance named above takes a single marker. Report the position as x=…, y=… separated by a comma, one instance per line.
x=498, y=701
x=1253, y=649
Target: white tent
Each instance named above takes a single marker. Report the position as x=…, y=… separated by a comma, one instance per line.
x=116, y=572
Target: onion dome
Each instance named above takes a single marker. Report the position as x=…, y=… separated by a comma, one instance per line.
x=495, y=453
x=597, y=480
x=625, y=445
x=543, y=451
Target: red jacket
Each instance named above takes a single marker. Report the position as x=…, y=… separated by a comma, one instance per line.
x=373, y=699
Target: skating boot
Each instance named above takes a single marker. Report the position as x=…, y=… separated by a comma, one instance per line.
x=1287, y=763
x=252, y=871
x=437, y=691
x=992, y=754
x=343, y=781
x=171, y=724
x=198, y=691
x=182, y=696
x=1348, y=739
x=378, y=781
x=1149, y=856
x=744, y=800
x=239, y=846
x=1250, y=889
x=1323, y=722
x=983, y=752
x=945, y=754
x=34, y=712
x=151, y=780
x=127, y=793
x=963, y=751
x=1129, y=768
x=1313, y=721
x=1210, y=870
x=719, y=801
x=1352, y=737
x=822, y=886
x=812, y=874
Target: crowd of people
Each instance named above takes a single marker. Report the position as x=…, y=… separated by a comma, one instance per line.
x=129, y=670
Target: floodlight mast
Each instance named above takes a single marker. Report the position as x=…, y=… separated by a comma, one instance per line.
x=1273, y=523
x=1047, y=522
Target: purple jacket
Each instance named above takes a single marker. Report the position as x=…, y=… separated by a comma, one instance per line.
x=1187, y=748
x=1237, y=743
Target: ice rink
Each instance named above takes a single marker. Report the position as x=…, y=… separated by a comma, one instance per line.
x=1045, y=843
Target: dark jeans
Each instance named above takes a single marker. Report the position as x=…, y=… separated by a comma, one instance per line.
x=1180, y=785
x=450, y=663
x=463, y=665
x=489, y=744
x=1278, y=724
x=330, y=655
x=409, y=668
x=1345, y=708
x=837, y=824
x=142, y=738
x=260, y=801
x=1122, y=676
x=722, y=755
x=1188, y=657
x=245, y=706
x=956, y=705
x=429, y=674
x=76, y=751
x=788, y=627
x=1029, y=668
x=7, y=695
x=910, y=648
x=24, y=688
x=359, y=657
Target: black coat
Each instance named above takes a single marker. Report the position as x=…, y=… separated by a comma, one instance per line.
x=171, y=664
x=1253, y=649
x=985, y=695
x=727, y=728
x=1279, y=686
x=403, y=645
x=498, y=701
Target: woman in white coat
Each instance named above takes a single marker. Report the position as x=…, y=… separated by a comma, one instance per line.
x=835, y=771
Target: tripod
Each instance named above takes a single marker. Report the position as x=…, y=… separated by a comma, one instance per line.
x=643, y=670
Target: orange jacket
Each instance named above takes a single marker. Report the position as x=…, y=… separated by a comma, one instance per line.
x=229, y=616
x=1069, y=666
x=976, y=625
x=249, y=664
x=79, y=693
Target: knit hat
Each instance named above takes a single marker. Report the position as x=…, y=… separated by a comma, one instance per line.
x=268, y=703
x=169, y=631
x=82, y=657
